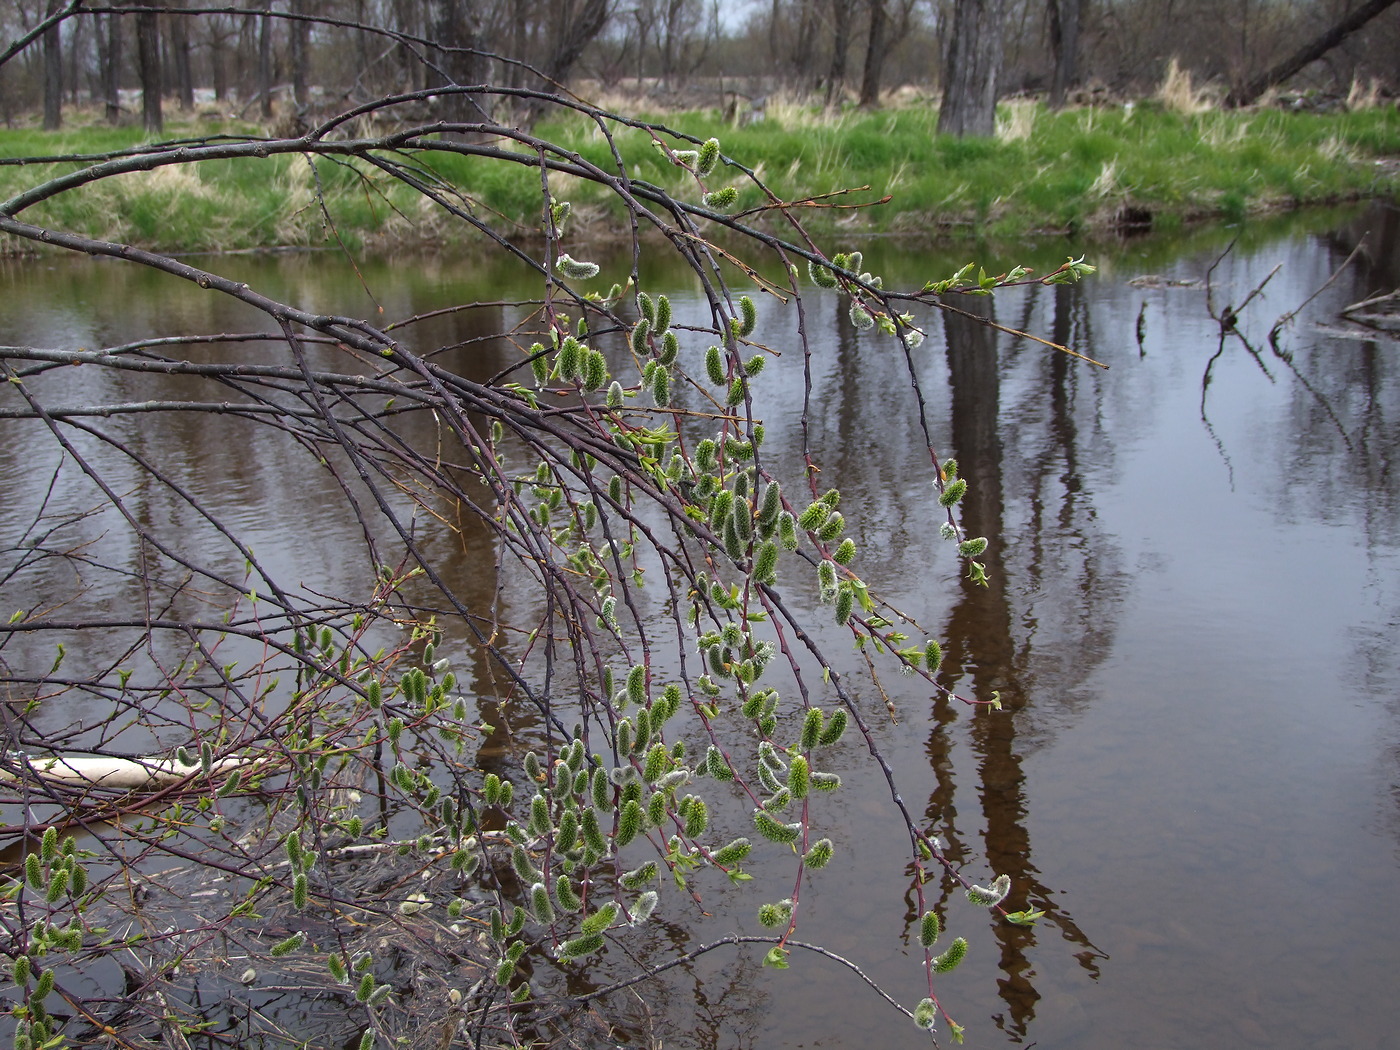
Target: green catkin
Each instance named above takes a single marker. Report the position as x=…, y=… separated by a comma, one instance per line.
x=600, y=920
x=720, y=508
x=48, y=845
x=300, y=892
x=288, y=946
x=773, y=830
x=646, y=307
x=733, y=853
x=754, y=365
x=929, y=929
x=640, y=331
x=814, y=516
x=812, y=724
x=821, y=275
x=629, y=823
x=615, y=395
x=926, y=1014
x=705, y=455
x=733, y=545
x=721, y=198
x=367, y=1039
x=845, y=604
x=567, y=834
x=567, y=362
x=580, y=946
x=743, y=520
x=602, y=790
x=972, y=548
x=714, y=366
x=765, y=564
x=736, y=392
x=657, y=759
x=698, y=819
x=540, y=903
x=748, y=316
x=540, y=824
x=637, y=685
x=770, y=504
x=661, y=322
x=661, y=388
x=845, y=553
x=834, y=526
x=933, y=657
x=639, y=877
x=575, y=269
x=670, y=348
x=799, y=777
x=565, y=896
x=592, y=832
x=656, y=810
x=819, y=855
x=949, y=960
x=835, y=726
x=595, y=370
x=624, y=736
x=787, y=531
x=707, y=158
x=952, y=493
x=643, y=729
x=716, y=765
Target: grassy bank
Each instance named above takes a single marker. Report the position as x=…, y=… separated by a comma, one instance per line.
x=1045, y=171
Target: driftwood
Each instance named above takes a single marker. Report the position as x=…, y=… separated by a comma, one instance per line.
x=131, y=774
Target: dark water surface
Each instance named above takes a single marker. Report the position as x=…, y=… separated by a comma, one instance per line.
x=1193, y=622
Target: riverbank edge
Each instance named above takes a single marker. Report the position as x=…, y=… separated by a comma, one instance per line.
x=1085, y=173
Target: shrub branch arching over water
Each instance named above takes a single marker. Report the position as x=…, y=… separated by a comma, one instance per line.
x=332, y=749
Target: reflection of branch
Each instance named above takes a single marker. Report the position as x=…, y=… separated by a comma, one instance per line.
x=1288, y=317
x=734, y=938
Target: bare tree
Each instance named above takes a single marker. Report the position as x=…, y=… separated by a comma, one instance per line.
x=971, y=67
x=1310, y=52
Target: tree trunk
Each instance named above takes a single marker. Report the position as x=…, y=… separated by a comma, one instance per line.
x=148, y=65
x=300, y=38
x=53, y=72
x=971, y=68
x=1064, y=45
x=111, y=64
x=180, y=61
x=874, y=55
x=265, y=61
x=1309, y=53
x=840, y=48
x=573, y=30
x=451, y=30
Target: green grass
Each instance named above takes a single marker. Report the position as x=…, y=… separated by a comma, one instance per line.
x=1073, y=170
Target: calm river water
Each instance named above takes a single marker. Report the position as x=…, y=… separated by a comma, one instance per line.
x=1193, y=621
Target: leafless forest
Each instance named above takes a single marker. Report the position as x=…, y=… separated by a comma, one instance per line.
x=265, y=58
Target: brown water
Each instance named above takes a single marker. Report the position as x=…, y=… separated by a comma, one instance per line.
x=1193, y=622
